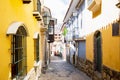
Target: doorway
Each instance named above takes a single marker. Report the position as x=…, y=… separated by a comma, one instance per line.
x=97, y=52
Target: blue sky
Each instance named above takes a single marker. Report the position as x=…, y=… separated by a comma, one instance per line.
x=58, y=8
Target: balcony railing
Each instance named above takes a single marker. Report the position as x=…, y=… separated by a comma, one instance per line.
x=37, y=11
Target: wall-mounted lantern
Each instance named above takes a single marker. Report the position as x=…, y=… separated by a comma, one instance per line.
x=46, y=19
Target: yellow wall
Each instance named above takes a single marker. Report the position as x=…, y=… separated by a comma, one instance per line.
x=110, y=48
x=15, y=11
x=110, y=45
x=89, y=47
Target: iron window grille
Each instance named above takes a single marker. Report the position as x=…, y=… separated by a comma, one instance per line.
x=19, y=54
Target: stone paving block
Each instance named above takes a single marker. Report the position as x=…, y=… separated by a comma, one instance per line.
x=59, y=69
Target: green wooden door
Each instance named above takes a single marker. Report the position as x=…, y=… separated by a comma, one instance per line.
x=99, y=56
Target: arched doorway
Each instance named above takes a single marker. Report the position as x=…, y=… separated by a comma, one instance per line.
x=97, y=52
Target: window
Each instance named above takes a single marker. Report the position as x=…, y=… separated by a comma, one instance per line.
x=115, y=29
x=19, y=54
x=36, y=43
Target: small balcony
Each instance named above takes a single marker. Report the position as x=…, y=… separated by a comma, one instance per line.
x=94, y=5
x=26, y=1
x=37, y=11
x=37, y=15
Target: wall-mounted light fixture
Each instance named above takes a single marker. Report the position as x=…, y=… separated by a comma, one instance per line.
x=46, y=19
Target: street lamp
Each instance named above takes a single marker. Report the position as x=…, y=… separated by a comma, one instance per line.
x=46, y=19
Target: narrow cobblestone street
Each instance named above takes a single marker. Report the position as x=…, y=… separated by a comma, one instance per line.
x=59, y=69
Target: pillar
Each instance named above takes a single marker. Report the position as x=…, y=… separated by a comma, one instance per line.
x=42, y=46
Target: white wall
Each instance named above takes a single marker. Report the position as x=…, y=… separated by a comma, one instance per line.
x=108, y=14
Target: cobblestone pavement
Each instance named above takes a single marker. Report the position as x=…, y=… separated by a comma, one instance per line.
x=59, y=69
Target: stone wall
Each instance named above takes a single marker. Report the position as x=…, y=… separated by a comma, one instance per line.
x=85, y=66
x=88, y=67
x=81, y=64
x=109, y=74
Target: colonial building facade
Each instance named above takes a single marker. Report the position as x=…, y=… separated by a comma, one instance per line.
x=22, y=40
x=93, y=30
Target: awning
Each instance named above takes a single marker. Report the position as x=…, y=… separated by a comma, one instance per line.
x=35, y=36
x=14, y=27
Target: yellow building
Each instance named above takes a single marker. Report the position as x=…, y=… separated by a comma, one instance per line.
x=20, y=38
x=103, y=41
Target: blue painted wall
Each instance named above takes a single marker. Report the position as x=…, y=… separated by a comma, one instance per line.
x=82, y=49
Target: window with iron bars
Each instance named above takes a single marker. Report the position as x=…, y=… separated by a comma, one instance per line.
x=18, y=55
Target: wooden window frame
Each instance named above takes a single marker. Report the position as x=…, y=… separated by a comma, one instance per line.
x=18, y=55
